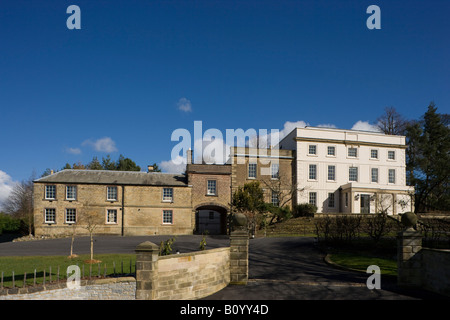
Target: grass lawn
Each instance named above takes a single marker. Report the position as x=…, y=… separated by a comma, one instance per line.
x=28, y=265
x=361, y=261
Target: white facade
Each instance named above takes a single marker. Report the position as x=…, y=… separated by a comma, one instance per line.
x=350, y=171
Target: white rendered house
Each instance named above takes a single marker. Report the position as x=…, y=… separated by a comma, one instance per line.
x=350, y=171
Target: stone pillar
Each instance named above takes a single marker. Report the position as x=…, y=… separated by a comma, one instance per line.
x=409, y=260
x=239, y=257
x=146, y=270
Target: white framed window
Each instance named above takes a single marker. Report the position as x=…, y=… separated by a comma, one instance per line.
x=312, y=149
x=313, y=198
x=373, y=154
x=353, y=173
x=71, y=192
x=111, y=193
x=391, y=155
x=331, y=173
x=252, y=170
x=167, y=217
x=50, y=192
x=167, y=195
x=274, y=199
x=391, y=177
x=331, y=151
x=352, y=152
x=312, y=172
x=275, y=170
x=331, y=200
x=111, y=216
x=374, y=174
x=211, y=189
x=50, y=215
x=71, y=215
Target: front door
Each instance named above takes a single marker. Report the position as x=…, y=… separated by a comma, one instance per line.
x=365, y=203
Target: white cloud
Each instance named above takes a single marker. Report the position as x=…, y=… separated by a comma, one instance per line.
x=6, y=186
x=73, y=150
x=105, y=144
x=184, y=105
x=365, y=126
x=177, y=165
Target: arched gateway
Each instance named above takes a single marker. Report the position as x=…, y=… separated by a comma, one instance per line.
x=211, y=219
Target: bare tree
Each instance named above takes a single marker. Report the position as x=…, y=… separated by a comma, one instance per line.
x=89, y=220
x=391, y=122
x=19, y=203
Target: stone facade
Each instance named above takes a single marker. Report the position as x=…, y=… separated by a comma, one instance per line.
x=158, y=207
x=273, y=168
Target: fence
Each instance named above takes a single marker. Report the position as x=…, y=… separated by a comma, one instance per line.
x=13, y=283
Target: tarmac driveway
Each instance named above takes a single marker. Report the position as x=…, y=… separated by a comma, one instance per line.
x=287, y=268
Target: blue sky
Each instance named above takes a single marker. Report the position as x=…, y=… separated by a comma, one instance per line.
x=116, y=85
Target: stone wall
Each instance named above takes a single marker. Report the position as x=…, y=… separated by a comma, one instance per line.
x=180, y=277
x=103, y=289
x=435, y=270
x=193, y=275
x=422, y=267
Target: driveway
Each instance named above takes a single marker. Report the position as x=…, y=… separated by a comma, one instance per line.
x=290, y=268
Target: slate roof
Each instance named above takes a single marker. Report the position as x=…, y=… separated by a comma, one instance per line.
x=115, y=177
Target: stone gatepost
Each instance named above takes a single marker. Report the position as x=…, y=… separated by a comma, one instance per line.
x=409, y=259
x=146, y=270
x=239, y=251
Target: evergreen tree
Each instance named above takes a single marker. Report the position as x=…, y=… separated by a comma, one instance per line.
x=428, y=159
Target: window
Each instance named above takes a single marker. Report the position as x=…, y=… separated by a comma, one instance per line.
x=391, y=155
x=111, y=193
x=71, y=215
x=346, y=199
x=331, y=151
x=275, y=170
x=391, y=175
x=330, y=200
x=50, y=192
x=275, y=200
x=312, y=172
x=252, y=170
x=111, y=216
x=374, y=154
x=374, y=173
x=71, y=192
x=211, y=215
x=211, y=188
x=313, y=198
x=312, y=149
x=352, y=152
x=331, y=173
x=168, y=194
x=50, y=215
x=167, y=217
x=353, y=174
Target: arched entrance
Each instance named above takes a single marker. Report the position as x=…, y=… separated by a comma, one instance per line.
x=211, y=219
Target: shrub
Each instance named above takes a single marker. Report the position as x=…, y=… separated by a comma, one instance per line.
x=304, y=210
x=9, y=224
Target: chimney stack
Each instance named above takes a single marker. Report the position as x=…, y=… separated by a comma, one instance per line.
x=150, y=168
x=189, y=156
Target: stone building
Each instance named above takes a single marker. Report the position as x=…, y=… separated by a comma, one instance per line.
x=115, y=202
x=337, y=170
x=350, y=171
